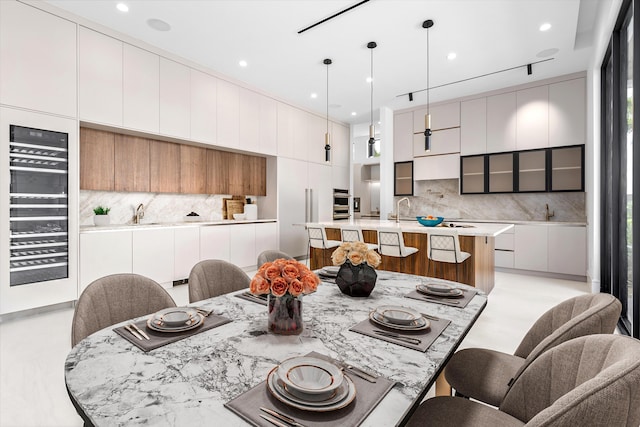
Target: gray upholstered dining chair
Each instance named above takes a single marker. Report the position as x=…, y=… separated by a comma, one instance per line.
x=271, y=255
x=213, y=277
x=486, y=375
x=353, y=233
x=444, y=246
x=587, y=381
x=116, y=298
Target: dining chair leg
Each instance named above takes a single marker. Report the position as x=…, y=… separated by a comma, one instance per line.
x=442, y=386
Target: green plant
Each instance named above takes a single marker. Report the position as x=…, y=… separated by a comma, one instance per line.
x=101, y=210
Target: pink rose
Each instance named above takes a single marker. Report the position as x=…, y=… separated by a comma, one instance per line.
x=296, y=287
x=310, y=283
x=290, y=272
x=279, y=286
x=271, y=272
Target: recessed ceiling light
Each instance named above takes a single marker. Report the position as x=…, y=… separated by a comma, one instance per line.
x=242, y=63
x=369, y=79
x=353, y=113
x=544, y=27
x=451, y=56
x=314, y=95
x=122, y=7
x=158, y=24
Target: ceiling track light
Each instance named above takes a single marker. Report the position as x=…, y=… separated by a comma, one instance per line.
x=372, y=130
x=427, y=118
x=327, y=135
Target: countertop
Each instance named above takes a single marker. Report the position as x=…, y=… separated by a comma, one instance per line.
x=112, y=227
x=413, y=226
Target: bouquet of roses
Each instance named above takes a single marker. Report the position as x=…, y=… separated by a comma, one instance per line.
x=284, y=276
x=356, y=253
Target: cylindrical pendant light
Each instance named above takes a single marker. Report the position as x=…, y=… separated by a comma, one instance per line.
x=427, y=118
x=372, y=129
x=327, y=135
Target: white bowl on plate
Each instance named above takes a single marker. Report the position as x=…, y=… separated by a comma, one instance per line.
x=239, y=216
x=310, y=375
x=398, y=315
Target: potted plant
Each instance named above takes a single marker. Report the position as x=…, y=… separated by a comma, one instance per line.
x=101, y=216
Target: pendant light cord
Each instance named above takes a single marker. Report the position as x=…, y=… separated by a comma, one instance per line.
x=427, y=71
x=371, y=87
x=326, y=62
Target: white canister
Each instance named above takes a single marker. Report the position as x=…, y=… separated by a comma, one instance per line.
x=251, y=211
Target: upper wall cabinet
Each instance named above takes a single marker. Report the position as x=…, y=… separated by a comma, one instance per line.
x=285, y=130
x=37, y=60
x=436, y=167
x=532, y=120
x=228, y=114
x=316, y=129
x=340, y=146
x=567, y=113
x=141, y=89
x=473, y=127
x=443, y=116
x=193, y=169
x=96, y=160
x=131, y=163
x=164, y=167
x=100, y=83
x=204, y=108
x=501, y=122
x=444, y=141
x=175, y=105
x=249, y=120
x=268, y=136
x=300, y=133
x=403, y=137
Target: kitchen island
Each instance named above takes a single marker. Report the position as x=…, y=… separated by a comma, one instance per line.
x=476, y=238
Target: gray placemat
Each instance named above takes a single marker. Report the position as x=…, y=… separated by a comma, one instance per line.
x=253, y=298
x=158, y=339
x=368, y=395
x=426, y=336
x=462, y=302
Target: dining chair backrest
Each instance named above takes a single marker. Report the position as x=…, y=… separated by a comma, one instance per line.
x=444, y=246
x=114, y=299
x=214, y=277
x=592, y=380
x=271, y=255
x=391, y=243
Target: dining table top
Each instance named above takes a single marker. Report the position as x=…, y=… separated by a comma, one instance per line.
x=114, y=383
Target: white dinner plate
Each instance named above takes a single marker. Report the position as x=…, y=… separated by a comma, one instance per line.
x=331, y=271
x=157, y=323
x=310, y=375
x=343, y=397
x=399, y=315
x=419, y=325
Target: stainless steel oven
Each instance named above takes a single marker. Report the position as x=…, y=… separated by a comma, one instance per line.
x=340, y=204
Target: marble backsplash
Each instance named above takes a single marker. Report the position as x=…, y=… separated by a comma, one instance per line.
x=442, y=198
x=158, y=207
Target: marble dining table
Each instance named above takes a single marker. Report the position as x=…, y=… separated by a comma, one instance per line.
x=114, y=383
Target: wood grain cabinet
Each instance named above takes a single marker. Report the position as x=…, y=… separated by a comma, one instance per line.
x=97, y=160
x=217, y=172
x=193, y=169
x=131, y=163
x=164, y=167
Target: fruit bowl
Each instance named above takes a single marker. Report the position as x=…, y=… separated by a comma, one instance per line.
x=430, y=221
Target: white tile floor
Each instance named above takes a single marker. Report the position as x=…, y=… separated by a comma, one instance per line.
x=33, y=349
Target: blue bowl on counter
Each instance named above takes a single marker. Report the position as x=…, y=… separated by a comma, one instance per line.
x=429, y=222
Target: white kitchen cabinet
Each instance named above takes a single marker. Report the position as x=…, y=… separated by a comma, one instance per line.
x=443, y=116
x=501, y=122
x=186, y=251
x=531, y=246
x=100, y=78
x=567, y=250
x=175, y=102
x=403, y=137
x=473, y=127
x=319, y=181
x=567, y=113
x=242, y=245
x=38, y=65
x=532, y=122
x=340, y=146
x=504, y=249
x=153, y=252
x=103, y=254
x=292, y=191
x=445, y=141
x=266, y=238
x=300, y=132
x=214, y=242
x=141, y=89
x=316, y=129
x=203, y=107
x=436, y=167
x=228, y=114
x=340, y=177
x=268, y=137
x=249, y=120
x=285, y=130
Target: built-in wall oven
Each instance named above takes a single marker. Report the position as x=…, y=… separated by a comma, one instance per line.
x=340, y=204
x=38, y=205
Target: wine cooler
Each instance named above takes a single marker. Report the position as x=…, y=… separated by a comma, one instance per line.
x=38, y=205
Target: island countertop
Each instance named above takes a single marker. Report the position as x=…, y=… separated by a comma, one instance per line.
x=464, y=228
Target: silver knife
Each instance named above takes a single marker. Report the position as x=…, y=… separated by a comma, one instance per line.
x=140, y=331
x=274, y=422
x=282, y=417
x=440, y=300
x=134, y=333
x=359, y=373
x=408, y=340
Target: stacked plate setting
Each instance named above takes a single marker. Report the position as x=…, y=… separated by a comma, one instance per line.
x=311, y=384
x=175, y=319
x=442, y=290
x=400, y=318
x=329, y=271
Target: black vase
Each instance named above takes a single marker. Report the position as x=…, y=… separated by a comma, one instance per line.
x=356, y=280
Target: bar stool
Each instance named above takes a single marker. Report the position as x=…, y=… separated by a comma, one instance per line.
x=444, y=246
x=318, y=240
x=391, y=243
x=353, y=233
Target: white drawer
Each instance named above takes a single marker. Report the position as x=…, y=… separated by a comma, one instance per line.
x=505, y=241
x=503, y=258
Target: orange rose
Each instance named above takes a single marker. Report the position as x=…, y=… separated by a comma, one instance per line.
x=263, y=268
x=296, y=287
x=279, y=286
x=271, y=272
x=372, y=258
x=310, y=283
x=290, y=272
x=356, y=258
x=280, y=263
x=339, y=256
x=259, y=285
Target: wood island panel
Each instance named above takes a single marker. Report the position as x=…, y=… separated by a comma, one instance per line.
x=131, y=163
x=96, y=160
x=164, y=167
x=193, y=169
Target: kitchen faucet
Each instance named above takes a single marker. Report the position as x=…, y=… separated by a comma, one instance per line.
x=548, y=214
x=139, y=214
x=398, y=207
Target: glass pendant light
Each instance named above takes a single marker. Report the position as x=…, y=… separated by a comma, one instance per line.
x=427, y=118
x=372, y=130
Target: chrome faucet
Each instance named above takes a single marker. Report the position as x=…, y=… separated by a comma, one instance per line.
x=548, y=214
x=398, y=207
x=139, y=214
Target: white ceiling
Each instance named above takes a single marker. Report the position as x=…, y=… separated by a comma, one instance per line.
x=487, y=36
